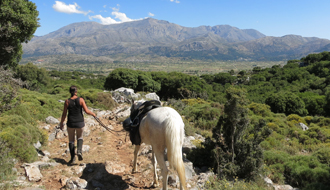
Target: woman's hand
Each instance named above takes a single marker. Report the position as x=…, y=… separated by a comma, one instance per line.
x=61, y=126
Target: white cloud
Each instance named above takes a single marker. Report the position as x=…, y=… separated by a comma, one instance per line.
x=151, y=14
x=104, y=20
x=119, y=17
x=104, y=6
x=71, y=8
x=176, y=1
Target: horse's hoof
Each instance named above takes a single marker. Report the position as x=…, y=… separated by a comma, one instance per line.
x=134, y=171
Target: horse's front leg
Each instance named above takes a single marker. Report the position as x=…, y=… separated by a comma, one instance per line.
x=154, y=164
x=136, y=151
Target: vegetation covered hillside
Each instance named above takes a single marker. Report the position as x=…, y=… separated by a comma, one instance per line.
x=273, y=121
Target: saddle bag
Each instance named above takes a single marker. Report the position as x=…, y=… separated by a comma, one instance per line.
x=134, y=134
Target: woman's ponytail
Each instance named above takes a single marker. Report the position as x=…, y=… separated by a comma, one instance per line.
x=73, y=90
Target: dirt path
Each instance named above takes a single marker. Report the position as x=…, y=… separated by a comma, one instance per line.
x=107, y=164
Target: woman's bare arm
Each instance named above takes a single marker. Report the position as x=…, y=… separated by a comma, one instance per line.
x=65, y=109
x=83, y=104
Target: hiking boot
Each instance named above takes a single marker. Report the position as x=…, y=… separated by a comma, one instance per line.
x=79, y=149
x=72, y=153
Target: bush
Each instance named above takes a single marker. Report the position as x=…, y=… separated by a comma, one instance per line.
x=274, y=157
x=105, y=101
x=296, y=119
x=6, y=161
x=8, y=90
x=260, y=109
x=20, y=136
x=323, y=155
x=303, y=170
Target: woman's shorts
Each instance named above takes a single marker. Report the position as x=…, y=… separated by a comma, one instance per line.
x=76, y=125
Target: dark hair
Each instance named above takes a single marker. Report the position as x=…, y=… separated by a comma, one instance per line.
x=73, y=90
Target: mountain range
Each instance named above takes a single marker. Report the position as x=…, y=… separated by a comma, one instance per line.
x=151, y=37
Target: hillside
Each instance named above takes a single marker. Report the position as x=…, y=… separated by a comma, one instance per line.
x=151, y=37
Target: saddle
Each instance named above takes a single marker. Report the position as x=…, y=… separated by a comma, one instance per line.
x=133, y=126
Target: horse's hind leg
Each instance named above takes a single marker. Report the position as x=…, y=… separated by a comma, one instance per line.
x=136, y=151
x=161, y=161
x=154, y=164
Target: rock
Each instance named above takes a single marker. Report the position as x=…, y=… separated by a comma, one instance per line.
x=113, y=168
x=59, y=134
x=189, y=168
x=78, y=169
x=52, y=120
x=51, y=136
x=268, y=181
x=152, y=96
x=33, y=173
x=122, y=95
x=187, y=144
x=85, y=148
x=32, y=188
x=145, y=150
x=123, y=112
x=283, y=187
x=103, y=114
x=303, y=126
x=63, y=180
x=173, y=180
x=37, y=145
x=86, y=131
x=76, y=183
x=46, y=153
x=203, y=177
x=46, y=127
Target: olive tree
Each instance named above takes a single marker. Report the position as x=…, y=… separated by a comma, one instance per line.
x=18, y=22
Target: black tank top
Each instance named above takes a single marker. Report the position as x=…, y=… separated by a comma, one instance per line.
x=75, y=114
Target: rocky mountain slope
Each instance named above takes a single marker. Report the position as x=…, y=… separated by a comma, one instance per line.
x=160, y=38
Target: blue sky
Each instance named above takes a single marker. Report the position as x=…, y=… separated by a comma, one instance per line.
x=308, y=18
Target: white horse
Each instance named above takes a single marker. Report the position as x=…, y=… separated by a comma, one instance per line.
x=162, y=128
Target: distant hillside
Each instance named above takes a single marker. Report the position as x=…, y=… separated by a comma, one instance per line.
x=160, y=38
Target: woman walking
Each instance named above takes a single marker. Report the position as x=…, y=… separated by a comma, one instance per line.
x=75, y=122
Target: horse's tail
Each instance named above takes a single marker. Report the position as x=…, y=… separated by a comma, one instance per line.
x=174, y=136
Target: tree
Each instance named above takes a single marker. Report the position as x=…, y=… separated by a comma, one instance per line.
x=18, y=22
x=286, y=102
x=238, y=151
x=34, y=77
x=122, y=78
x=8, y=89
x=236, y=117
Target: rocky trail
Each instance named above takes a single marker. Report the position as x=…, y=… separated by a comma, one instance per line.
x=107, y=162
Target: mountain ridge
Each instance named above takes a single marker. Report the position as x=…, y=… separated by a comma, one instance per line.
x=162, y=38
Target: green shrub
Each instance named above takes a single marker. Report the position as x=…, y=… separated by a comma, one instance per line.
x=104, y=100
x=296, y=119
x=260, y=109
x=303, y=170
x=316, y=186
x=6, y=161
x=20, y=136
x=323, y=155
x=236, y=184
x=274, y=157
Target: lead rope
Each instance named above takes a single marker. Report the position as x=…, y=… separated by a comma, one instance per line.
x=108, y=129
